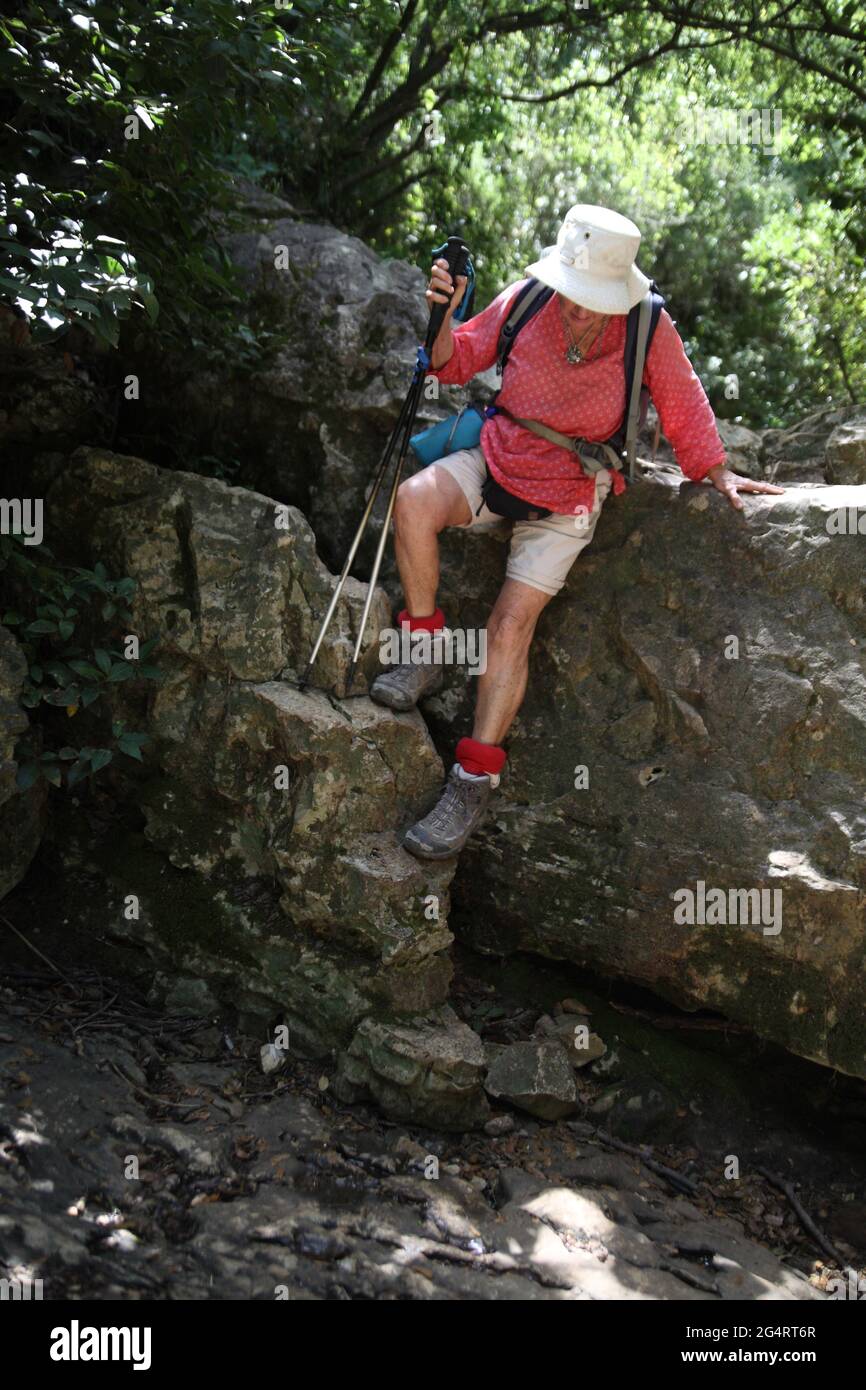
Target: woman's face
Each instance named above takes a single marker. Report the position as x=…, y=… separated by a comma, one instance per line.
x=576, y=314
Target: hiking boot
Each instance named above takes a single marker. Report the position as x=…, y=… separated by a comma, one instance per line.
x=400, y=687
x=444, y=831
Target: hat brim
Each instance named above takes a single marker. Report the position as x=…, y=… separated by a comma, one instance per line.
x=600, y=296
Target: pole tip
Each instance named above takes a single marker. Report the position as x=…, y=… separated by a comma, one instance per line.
x=305, y=677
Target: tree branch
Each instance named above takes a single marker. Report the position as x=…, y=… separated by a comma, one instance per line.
x=584, y=82
x=384, y=58
x=372, y=172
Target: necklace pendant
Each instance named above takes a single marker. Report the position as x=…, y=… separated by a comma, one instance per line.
x=573, y=353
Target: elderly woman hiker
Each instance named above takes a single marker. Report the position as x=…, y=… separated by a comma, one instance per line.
x=564, y=381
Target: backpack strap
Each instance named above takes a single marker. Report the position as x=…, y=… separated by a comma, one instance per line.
x=642, y=322
x=590, y=461
x=527, y=302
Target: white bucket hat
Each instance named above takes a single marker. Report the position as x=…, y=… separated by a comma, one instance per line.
x=592, y=262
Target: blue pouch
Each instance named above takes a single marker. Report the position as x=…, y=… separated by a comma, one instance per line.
x=462, y=431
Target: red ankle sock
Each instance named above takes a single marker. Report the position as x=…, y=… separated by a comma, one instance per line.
x=476, y=757
x=430, y=624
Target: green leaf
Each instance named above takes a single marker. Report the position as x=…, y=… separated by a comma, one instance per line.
x=84, y=668
x=59, y=670
x=103, y=660
x=100, y=758
x=66, y=629
x=42, y=625
x=122, y=671
x=77, y=771
x=83, y=306
x=130, y=745
x=43, y=138
x=27, y=775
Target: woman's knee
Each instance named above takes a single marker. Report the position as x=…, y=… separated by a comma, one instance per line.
x=511, y=629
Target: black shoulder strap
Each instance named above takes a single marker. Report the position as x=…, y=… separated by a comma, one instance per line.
x=529, y=299
x=642, y=323
x=656, y=305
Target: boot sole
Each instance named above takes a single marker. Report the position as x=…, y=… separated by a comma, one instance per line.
x=419, y=851
x=391, y=699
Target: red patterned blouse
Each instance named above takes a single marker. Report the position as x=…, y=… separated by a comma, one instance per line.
x=586, y=399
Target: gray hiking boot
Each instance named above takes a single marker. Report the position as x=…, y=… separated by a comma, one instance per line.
x=400, y=687
x=444, y=831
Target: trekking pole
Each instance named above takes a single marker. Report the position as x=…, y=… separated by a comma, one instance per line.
x=456, y=254
x=353, y=550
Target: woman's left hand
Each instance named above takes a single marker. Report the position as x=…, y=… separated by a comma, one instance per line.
x=730, y=484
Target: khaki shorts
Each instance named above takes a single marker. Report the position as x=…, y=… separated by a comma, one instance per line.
x=541, y=552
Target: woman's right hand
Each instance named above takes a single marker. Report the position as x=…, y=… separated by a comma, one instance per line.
x=441, y=285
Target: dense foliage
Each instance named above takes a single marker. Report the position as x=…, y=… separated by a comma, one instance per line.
x=64, y=620
x=120, y=123
x=125, y=125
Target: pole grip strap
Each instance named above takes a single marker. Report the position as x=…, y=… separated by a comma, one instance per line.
x=637, y=381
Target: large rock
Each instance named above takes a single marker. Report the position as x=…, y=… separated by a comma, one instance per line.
x=846, y=451
x=309, y=425
x=704, y=672
x=798, y=454
x=20, y=813
x=534, y=1076
x=434, y=1068
x=270, y=869
x=46, y=401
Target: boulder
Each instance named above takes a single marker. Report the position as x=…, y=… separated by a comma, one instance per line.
x=21, y=813
x=534, y=1076
x=432, y=1067
x=309, y=425
x=695, y=715
x=47, y=400
x=269, y=875
x=798, y=454
x=846, y=452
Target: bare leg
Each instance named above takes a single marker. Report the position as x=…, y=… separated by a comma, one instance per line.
x=426, y=503
x=444, y=831
x=510, y=630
